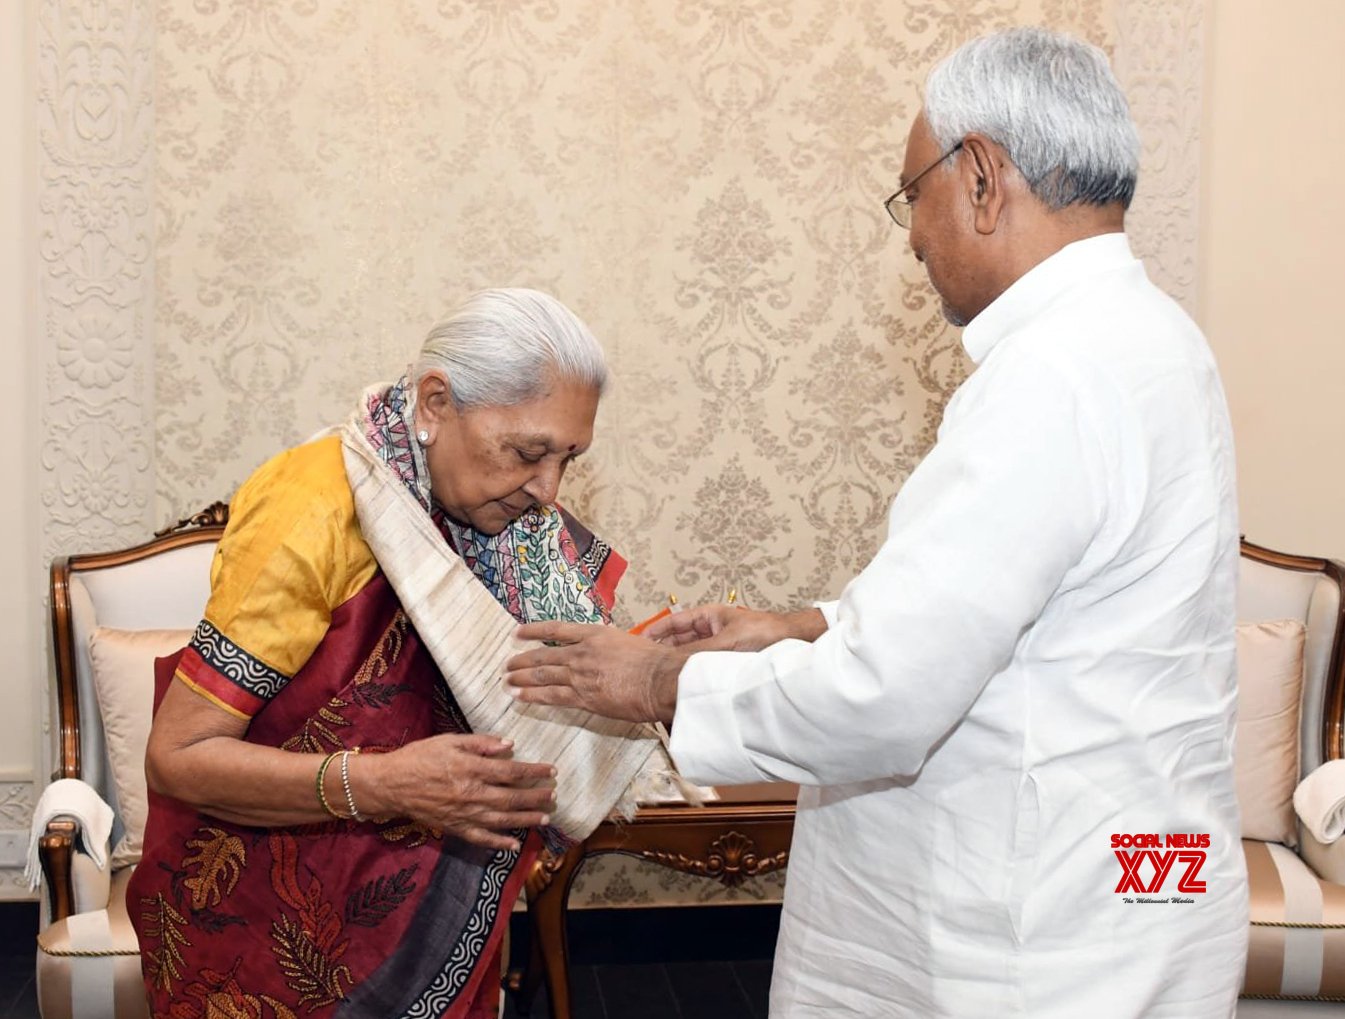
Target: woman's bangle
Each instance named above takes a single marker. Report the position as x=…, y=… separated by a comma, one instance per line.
x=322, y=793
x=354, y=814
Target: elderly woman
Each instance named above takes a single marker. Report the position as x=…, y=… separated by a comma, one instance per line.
x=326, y=836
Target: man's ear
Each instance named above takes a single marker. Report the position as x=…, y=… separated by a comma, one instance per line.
x=985, y=174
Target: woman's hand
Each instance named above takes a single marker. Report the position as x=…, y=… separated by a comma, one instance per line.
x=731, y=628
x=463, y=784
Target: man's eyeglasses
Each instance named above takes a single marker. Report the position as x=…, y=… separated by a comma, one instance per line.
x=900, y=209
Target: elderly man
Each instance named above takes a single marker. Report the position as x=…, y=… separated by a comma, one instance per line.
x=1014, y=729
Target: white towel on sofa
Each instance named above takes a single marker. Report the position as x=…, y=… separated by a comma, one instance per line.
x=76, y=799
x=1320, y=802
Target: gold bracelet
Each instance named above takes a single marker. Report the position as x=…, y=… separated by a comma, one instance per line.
x=322, y=793
x=354, y=815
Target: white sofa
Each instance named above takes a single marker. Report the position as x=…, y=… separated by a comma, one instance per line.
x=1296, y=960
x=88, y=962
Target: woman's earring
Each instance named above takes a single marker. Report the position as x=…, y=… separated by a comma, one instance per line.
x=423, y=437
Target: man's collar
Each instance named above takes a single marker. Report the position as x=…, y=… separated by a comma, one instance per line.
x=1040, y=285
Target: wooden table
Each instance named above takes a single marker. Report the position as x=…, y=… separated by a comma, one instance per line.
x=744, y=833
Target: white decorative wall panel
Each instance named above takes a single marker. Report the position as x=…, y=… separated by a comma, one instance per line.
x=94, y=125
x=1159, y=59
x=16, y=811
x=95, y=130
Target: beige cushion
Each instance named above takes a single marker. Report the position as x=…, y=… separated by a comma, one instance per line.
x=89, y=963
x=1265, y=758
x=123, y=678
x=1297, y=946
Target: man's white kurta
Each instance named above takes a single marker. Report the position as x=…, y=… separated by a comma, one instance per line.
x=1039, y=657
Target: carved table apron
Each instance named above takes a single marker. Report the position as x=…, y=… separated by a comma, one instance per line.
x=744, y=833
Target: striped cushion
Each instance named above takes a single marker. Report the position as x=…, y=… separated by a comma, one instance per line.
x=1297, y=945
x=88, y=965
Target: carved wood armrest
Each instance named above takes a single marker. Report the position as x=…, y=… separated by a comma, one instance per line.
x=55, y=850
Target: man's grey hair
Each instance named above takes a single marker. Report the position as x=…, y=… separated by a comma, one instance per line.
x=1054, y=105
x=505, y=346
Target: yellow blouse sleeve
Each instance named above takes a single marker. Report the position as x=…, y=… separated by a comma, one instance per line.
x=291, y=554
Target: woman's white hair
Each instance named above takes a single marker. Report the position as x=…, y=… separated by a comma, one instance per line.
x=505, y=346
x=1054, y=105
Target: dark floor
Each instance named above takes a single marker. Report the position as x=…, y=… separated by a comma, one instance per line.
x=18, y=927
x=711, y=962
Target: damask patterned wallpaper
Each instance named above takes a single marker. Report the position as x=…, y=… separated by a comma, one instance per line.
x=252, y=209
x=701, y=180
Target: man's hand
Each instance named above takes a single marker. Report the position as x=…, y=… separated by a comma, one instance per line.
x=730, y=628
x=597, y=669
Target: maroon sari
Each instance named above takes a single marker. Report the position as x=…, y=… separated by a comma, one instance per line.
x=336, y=919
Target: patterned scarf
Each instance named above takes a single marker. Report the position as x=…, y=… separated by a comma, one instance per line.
x=544, y=565
x=464, y=592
